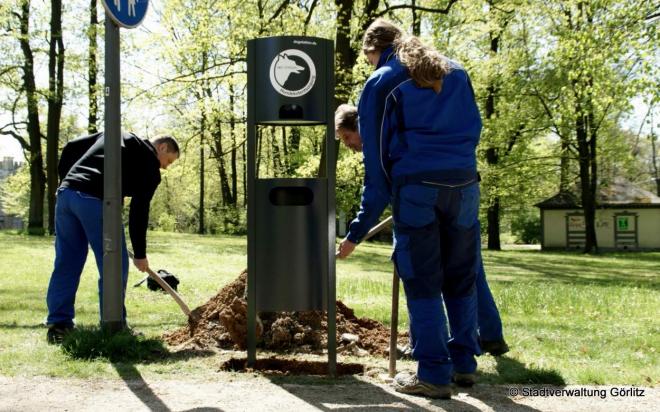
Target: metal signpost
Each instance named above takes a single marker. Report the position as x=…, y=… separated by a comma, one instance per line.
x=291, y=221
x=128, y=14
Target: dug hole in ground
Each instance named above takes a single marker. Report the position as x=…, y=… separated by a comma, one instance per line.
x=222, y=324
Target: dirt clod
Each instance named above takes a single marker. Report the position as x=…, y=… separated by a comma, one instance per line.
x=222, y=323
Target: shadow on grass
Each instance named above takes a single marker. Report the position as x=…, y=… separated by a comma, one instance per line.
x=511, y=371
x=15, y=325
x=89, y=343
x=574, y=270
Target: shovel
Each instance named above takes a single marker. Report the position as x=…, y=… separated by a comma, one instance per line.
x=192, y=316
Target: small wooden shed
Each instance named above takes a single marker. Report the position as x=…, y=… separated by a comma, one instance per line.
x=627, y=218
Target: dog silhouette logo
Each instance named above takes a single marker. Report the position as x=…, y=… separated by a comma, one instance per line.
x=292, y=73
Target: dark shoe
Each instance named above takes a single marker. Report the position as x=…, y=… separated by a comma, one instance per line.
x=411, y=385
x=494, y=347
x=465, y=380
x=57, y=332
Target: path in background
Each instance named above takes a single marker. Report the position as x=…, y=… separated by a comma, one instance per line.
x=252, y=393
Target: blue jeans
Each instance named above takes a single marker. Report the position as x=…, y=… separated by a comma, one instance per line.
x=78, y=221
x=437, y=255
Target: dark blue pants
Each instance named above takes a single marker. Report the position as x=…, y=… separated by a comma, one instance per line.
x=78, y=222
x=488, y=317
x=437, y=255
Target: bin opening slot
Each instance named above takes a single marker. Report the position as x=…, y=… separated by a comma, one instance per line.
x=291, y=196
x=291, y=111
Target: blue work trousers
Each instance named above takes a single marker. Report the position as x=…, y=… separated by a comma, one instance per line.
x=437, y=255
x=78, y=222
x=489, y=321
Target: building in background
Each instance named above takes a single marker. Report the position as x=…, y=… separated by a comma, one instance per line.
x=627, y=218
x=7, y=168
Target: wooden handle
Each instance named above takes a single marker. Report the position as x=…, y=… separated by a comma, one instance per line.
x=377, y=228
x=168, y=289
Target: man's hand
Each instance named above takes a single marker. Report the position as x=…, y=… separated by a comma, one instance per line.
x=346, y=247
x=141, y=264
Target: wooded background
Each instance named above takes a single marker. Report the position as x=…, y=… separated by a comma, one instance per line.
x=555, y=82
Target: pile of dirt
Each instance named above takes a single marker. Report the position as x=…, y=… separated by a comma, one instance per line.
x=222, y=323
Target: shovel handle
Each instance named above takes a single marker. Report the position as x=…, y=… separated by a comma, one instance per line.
x=167, y=288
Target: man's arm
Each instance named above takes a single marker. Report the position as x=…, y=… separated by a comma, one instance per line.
x=375, y=134
x=138, y=221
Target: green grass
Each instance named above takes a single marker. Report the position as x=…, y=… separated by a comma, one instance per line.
x=569, y=318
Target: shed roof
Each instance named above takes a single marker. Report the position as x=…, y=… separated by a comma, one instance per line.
x=618, y=193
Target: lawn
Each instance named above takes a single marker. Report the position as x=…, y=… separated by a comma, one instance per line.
x=569, y=318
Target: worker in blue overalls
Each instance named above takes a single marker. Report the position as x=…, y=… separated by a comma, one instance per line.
x=420, y=126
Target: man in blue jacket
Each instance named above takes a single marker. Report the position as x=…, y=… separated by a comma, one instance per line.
x=79, y=215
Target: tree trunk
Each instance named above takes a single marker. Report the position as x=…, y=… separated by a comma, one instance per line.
x=92, y=70
x=277, y=161
x=232, y=129
x=654, y=161
x=227, y=199
x=202, y=129
x=586, y=181
x=55, y=93
x=294, y=147
x=492, y=157
x=416, y=20
x=345, y=58
x=285, y=151
x=37, y=176
x=564, y=168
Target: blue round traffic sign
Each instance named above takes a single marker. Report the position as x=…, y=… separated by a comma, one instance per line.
x=126, y=13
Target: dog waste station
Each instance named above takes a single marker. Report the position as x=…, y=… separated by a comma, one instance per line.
x=291, y=221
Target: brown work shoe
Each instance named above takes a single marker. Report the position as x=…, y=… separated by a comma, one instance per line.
x=465, y=380
x=411, y=385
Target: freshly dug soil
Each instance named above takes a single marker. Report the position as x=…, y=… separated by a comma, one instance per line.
x=291, y=367
x=222, y=323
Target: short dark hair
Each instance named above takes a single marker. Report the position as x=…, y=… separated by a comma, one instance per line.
x=172, y=145
x=346, y=117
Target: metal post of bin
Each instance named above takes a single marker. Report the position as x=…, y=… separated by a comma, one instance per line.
x=251, y=275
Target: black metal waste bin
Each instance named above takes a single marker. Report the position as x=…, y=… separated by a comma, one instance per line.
x=291, y=239
x=291, y=221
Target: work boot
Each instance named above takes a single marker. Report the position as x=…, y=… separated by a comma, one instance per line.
x=465, y=380
x=57, y=332
x=494, y=347
x=411, y=385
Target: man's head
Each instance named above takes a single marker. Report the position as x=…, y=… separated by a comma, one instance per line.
x=346, y=127
x=167, y=150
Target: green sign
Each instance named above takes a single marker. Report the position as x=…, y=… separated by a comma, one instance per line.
x=622, y=222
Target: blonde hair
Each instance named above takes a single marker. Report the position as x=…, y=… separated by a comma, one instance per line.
x=380, y=35
x=425, y=64
x=346, y=117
